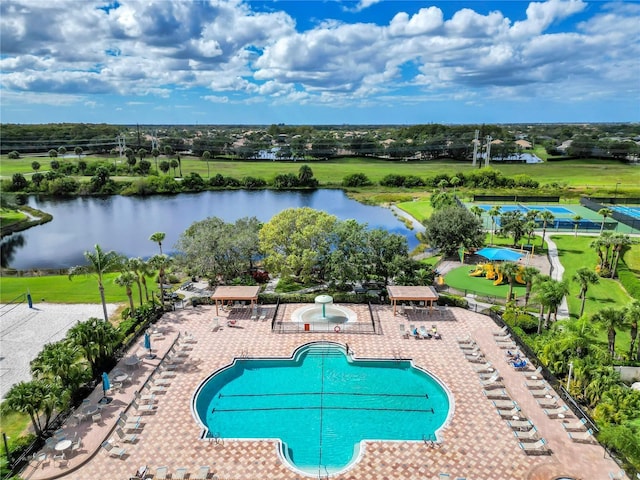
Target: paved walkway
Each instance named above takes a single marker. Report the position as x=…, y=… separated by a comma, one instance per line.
x=475, y=444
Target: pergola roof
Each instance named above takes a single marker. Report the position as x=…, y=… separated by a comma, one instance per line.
x=236, y=293
x=397, y=292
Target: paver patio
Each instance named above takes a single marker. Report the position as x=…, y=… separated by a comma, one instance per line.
x=476, y=444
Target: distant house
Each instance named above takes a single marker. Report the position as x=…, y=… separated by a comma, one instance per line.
x=524, y=144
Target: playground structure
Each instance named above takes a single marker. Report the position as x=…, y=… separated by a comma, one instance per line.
x=492, y=271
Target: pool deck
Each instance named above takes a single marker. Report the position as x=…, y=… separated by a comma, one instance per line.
x=475, y=444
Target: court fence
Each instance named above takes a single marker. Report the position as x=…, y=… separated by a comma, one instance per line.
x=598, y=203
x=516, y=198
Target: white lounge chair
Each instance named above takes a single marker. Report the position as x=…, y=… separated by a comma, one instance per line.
x=535, y=448
x=492, y=382
x=149, y=407
x=578, y=426
x=513, y=412
x=503, y=331
x=522, y=425
x=582, y=437
x=528, y=436
x=542, y=393
x=201, y=474
x=126, y=437
x=161, y=473
x=501, y=394
x=502, y=404
x=127, y=426
x=179, y=474
x=486, y=368
x=536, y=384
x=404, y=333
x=555, y=412
x=112, y=450
x=546, y=402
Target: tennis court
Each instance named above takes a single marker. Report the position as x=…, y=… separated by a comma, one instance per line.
x=631, y=211
x=524, y=209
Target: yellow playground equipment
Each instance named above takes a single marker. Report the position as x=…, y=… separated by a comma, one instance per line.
x=490, y=272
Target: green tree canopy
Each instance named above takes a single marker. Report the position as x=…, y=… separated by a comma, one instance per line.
x=296, y=241
x=452, y=227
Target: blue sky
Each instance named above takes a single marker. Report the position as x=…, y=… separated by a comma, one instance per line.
x=318, y=62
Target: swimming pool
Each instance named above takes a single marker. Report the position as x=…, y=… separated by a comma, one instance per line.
x=321, y=404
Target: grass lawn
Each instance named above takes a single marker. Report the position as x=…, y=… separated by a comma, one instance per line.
x=59, y=289
x=419, y=209
x=632, y=258
x=459, y=278
x=575, y=253
x=582, y=174
x=508, y=242
x=9, y=217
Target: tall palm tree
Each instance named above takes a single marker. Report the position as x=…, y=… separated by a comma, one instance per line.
x=100, y=263
x=34, y=398
x=605, y=212
x=155, y=153
x=97, y=340
x=494, y=213
x=584, y=277
x=161, y=263
x=546, y=216
x=613, y=319
x=477, y=211
x=548, y=293
x=529, y=275
x=206, y=155
x=126, y=280
x=576, y=221
x=620, y=243
x=158, y=238
x=632, y=315
x=139, y=268
x=509, y=270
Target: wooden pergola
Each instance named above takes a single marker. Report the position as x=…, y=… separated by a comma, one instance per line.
x=428, y=295
x=235, y=293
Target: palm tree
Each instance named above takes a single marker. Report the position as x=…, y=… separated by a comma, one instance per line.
x=139, y=268
x=31, y=398
x=632, y=314
x=576, y=221
x=126, y=280
x=155, y=153
x=529, y=275
x=206, y=155
x=620, y=243
x=62, y=363
x=161, y=263
x=612, y=319
x=158, y=237
x=548, y=293
x=100, y=263
x=605, y=212
x=546, y=216
x=477, y=211
x=509, y=270
x=494, y=213
x=98, y=340
x=584, y=277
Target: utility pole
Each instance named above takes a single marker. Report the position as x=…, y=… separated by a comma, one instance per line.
x=488, y=153
x=475, y=148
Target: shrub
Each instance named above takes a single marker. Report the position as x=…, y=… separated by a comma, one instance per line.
x=452, y=301
x=356, y=180
x=13, y=155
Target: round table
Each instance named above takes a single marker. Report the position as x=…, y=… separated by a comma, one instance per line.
x=62, y=445
x=121, y=378
x=90, y=409
x=131, y=361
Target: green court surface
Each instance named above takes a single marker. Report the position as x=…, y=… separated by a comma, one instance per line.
x=564, y=214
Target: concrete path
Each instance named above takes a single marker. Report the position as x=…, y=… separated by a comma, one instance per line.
x=557, y=273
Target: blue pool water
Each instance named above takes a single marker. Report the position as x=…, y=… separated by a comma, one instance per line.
x=321, y=404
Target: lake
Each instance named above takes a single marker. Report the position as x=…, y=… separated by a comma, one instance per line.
x=124, y=224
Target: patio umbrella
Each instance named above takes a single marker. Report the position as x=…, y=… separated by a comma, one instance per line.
x=500, y=254
x=106, y=385
x=147, y=344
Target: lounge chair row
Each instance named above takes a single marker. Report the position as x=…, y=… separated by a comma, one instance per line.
x=180, y=473
x=420, y=333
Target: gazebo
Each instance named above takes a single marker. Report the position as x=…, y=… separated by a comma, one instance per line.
x=235, y=293
x=410, y=293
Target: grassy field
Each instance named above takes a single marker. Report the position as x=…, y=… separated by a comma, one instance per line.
x=575, y=253
x=459, y=278
x=419, y=209
x=582, y=174
x=59, y=289
x=9, y=217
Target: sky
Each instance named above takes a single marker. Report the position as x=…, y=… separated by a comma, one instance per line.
x=319, y=62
